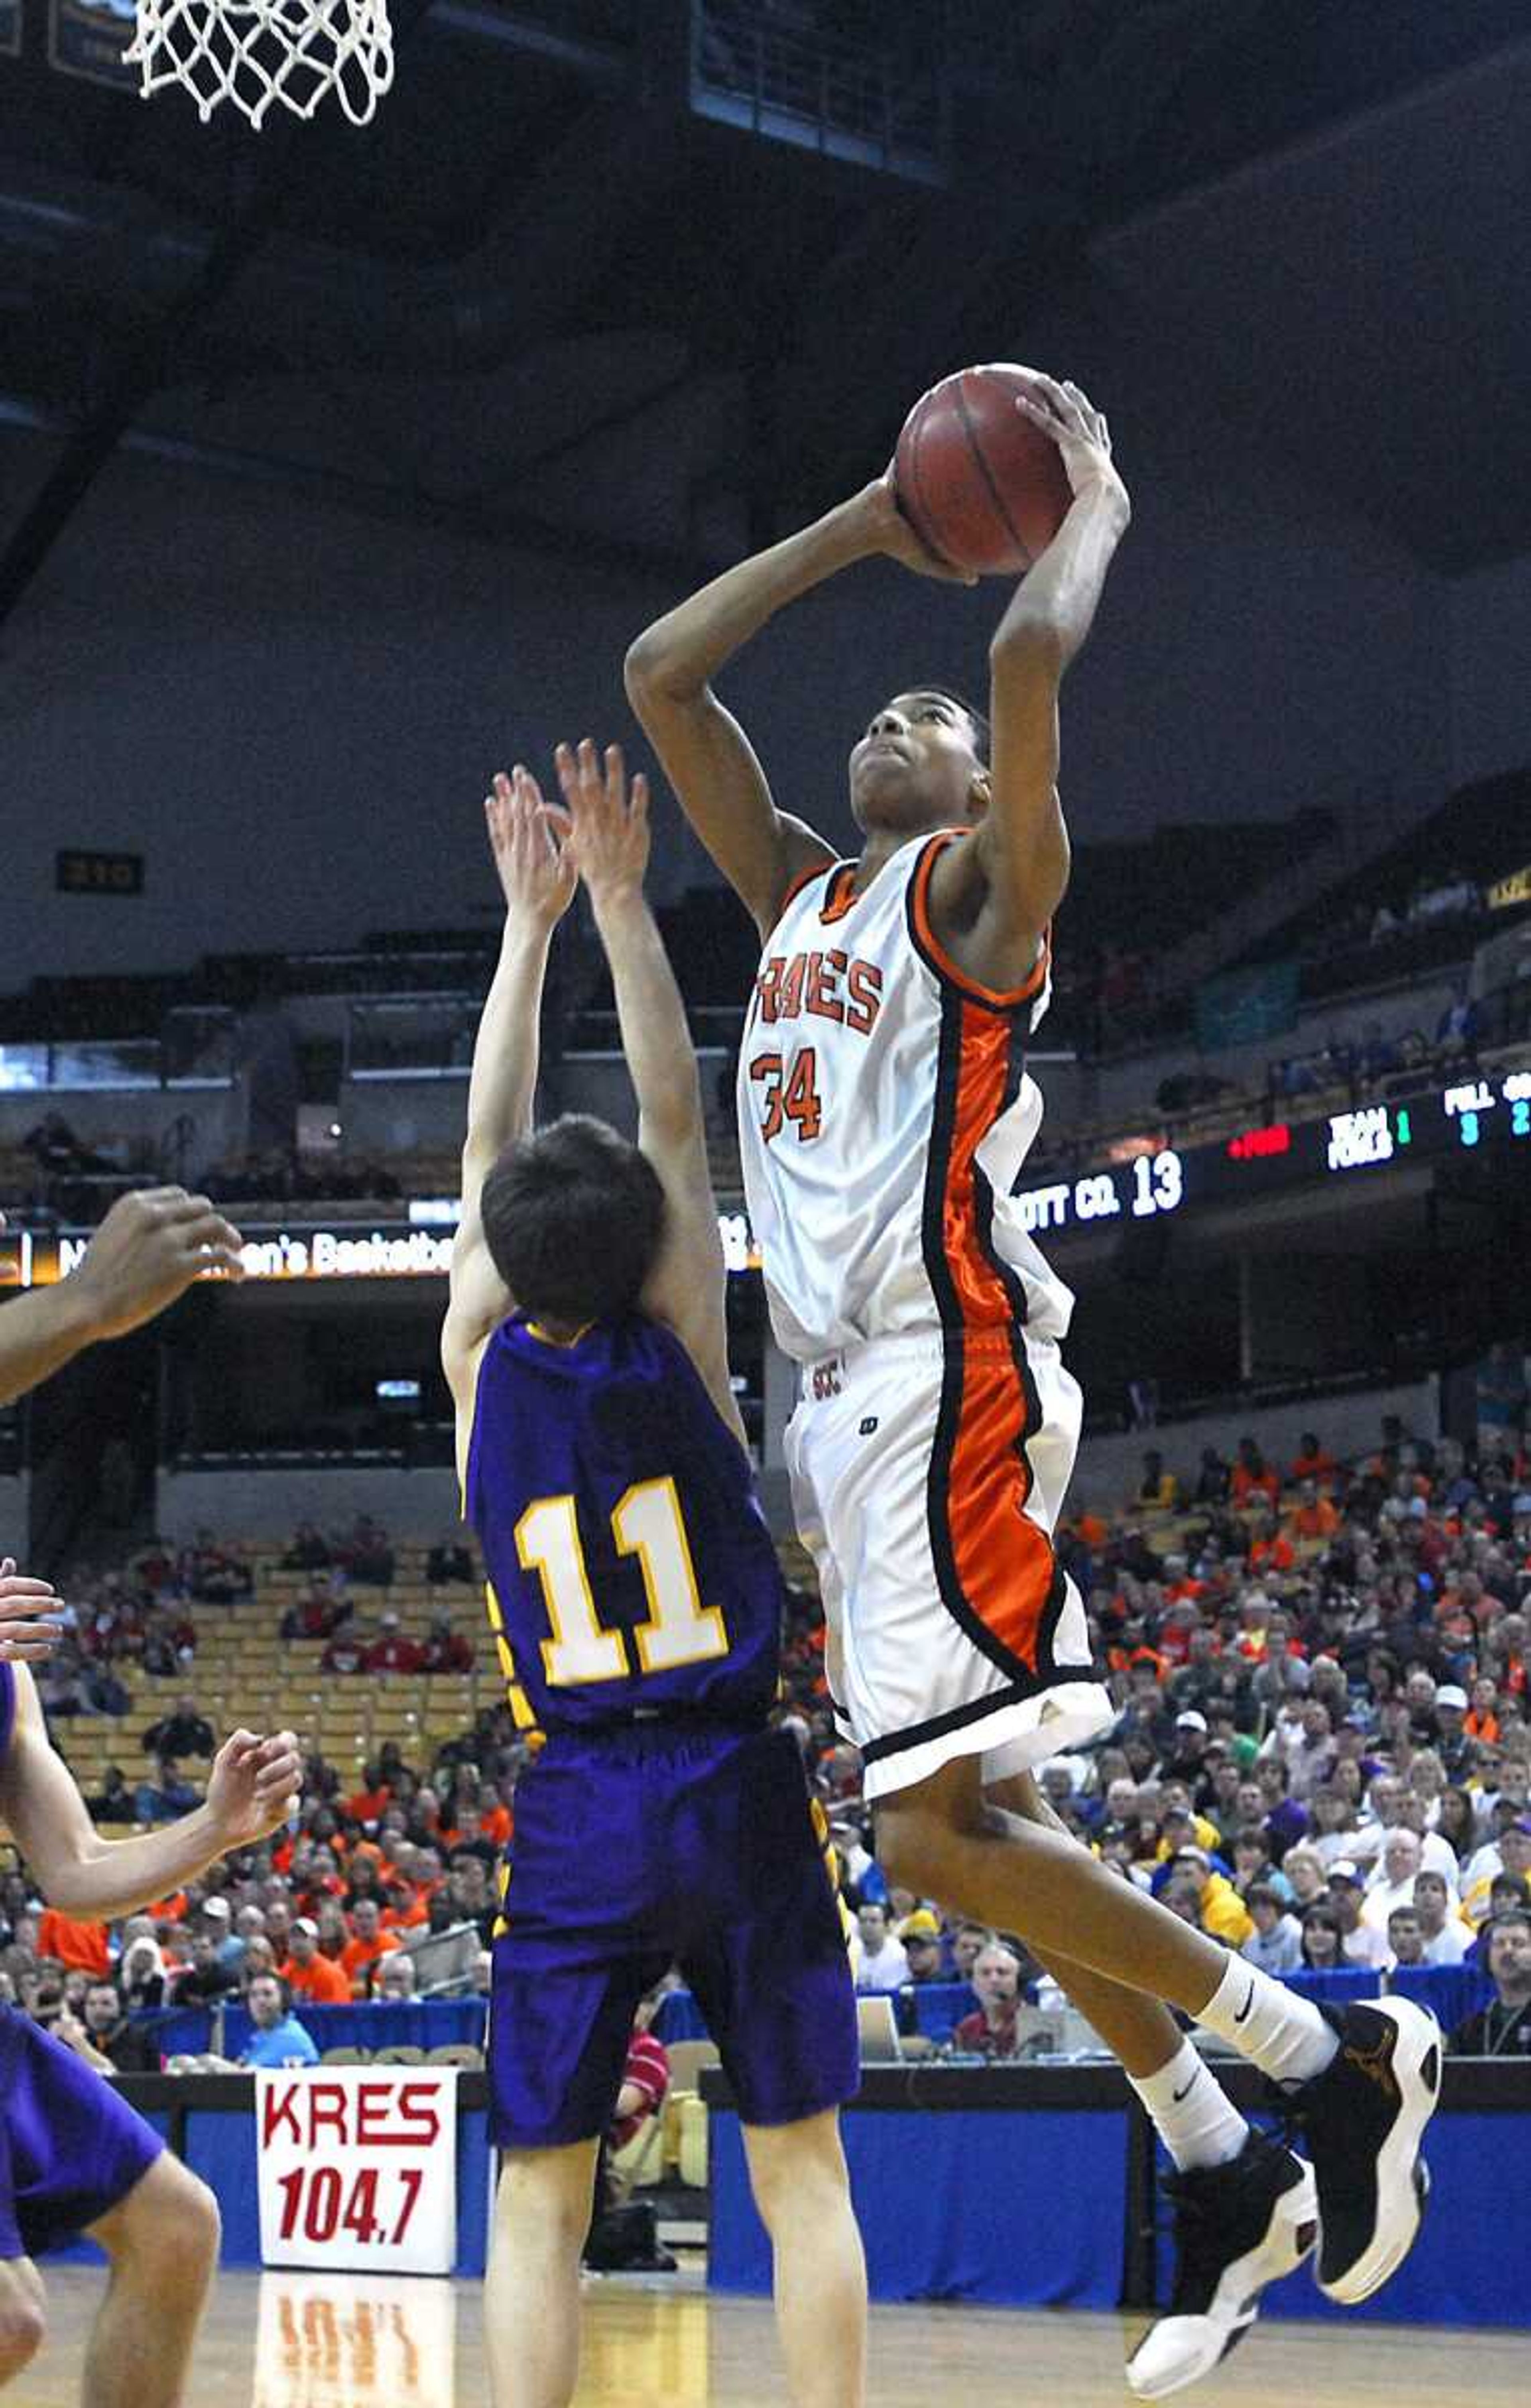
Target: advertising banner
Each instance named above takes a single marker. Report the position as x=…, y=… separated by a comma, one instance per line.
x=357, y=2168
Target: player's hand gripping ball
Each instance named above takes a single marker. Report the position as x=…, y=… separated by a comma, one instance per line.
x=983, y=470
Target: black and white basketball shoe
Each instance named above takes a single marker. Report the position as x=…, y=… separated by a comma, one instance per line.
x=1237, y=2226
x=1363, y=2119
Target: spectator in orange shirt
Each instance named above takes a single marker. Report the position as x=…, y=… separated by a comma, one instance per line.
x=367, y=1804
x=369, y=1941
x=409, y=1909
x=1270, y=1549
x=478, y=1815
x=1090, y=1528
x=1252, y=1476
x=1314, y=1515
x=1181, y=1585
x=1482, y=1719
x=80, y=1946
x=308, y=1973
x=393, y=1652
x=1312, y=1461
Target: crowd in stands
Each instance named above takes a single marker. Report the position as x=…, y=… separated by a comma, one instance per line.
x=1321, y=1757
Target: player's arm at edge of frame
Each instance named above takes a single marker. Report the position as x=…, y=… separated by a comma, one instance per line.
x=78, y=1870
x=149, y=1249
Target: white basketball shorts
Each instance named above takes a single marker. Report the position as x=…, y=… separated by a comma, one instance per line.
x=927, y=1475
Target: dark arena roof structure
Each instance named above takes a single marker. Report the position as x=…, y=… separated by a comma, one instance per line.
x=567, y=189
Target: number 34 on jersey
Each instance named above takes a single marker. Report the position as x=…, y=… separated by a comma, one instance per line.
x=790, y=1093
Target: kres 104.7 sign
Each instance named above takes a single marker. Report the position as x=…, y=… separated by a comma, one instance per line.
x=357, y=2168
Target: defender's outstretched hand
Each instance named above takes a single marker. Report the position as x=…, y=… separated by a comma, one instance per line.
x=150, y=1248
x=1078, y=429
x=25, y=1633
x=252, y=1786
x=604, y=823
x=536, y=873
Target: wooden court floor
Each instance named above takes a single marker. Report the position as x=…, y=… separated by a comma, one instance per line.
x=296, y=2340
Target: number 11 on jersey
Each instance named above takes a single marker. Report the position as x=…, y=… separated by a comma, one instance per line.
x=646, y=1522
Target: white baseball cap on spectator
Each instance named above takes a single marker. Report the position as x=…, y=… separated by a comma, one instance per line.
x=305, y=1923
x=218, y=1908
x=1452, y=1696
x=1342, y=1870
x=1190, y=1720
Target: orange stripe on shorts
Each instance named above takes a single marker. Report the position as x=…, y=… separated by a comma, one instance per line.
x=1004, y=1562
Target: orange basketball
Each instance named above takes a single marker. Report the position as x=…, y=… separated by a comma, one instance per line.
x=980, y=484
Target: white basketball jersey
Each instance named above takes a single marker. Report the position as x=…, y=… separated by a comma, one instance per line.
x=885, y=1111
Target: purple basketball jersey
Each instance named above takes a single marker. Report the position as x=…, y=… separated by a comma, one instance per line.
x=629, y=1562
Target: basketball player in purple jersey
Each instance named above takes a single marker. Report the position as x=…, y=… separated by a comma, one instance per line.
x=637, y=1604
x=885, y=1112
x=73, y=2157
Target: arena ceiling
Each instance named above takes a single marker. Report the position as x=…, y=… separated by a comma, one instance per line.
x=571, y=222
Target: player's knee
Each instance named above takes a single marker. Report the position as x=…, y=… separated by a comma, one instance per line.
x=170, y=2233
x=547, y=2194
x=797, y=2174
x=195, y=2228
x=24, y=2325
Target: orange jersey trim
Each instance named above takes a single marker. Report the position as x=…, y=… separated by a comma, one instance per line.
x=997, y=1569
x=839, y=894
x=804, y=878
x=939, y=960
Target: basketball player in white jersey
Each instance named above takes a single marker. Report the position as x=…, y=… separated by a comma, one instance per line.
x=886, y=1111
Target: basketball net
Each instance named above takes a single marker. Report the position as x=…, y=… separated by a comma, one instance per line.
x=254, y=53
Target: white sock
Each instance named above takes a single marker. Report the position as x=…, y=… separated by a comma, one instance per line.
x=1285, y=2035
x=1193, y=2114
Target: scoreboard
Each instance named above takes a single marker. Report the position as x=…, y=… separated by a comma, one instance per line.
x=1485, y=1118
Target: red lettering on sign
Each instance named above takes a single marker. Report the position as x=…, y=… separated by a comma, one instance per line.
x=281, y=2112
x=419, y=2108
x=327, y=2111
x=1254, y=1145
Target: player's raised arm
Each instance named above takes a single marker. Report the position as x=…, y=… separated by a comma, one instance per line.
x=148, y=1250
x=607, y=837
x=250, y=1791
x=539, y=884
x=706, y=755
x=1022, y=844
